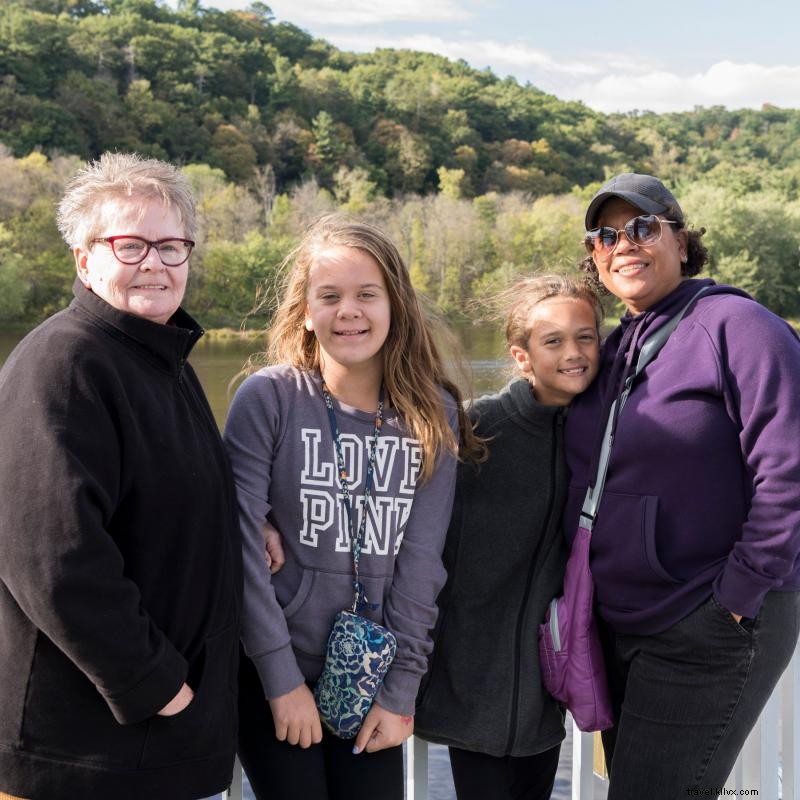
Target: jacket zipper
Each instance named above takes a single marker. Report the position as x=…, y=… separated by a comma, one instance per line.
x=557, y=424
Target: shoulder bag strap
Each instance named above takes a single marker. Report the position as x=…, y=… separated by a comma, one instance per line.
x=648, y=352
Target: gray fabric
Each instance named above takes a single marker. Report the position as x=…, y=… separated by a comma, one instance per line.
x=505, y=558
x=279, y=441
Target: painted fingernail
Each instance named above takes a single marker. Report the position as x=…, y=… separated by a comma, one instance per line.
x=356, y=749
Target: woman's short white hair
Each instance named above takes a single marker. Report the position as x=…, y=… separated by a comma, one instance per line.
x=120, y=177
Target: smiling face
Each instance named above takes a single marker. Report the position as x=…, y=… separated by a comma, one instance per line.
x=348, y=309
x=563, y=351
x=639, y=275
x=148, y=289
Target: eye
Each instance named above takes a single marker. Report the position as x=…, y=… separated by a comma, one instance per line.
x=552, y=341
x=588, y=337
x=367, y=295
x=329, y=297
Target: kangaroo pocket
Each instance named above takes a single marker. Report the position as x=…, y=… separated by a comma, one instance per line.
x=207, y=726
x=626, y=565
x=66, y=717
x=320, y=596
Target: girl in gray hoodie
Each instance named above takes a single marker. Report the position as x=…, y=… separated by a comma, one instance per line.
x=349, y=337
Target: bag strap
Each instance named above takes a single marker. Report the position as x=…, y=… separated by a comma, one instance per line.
x=648, y=352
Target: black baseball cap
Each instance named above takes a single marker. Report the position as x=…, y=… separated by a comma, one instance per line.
x=643, y=191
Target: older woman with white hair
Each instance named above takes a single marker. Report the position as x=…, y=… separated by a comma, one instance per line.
x=120, y=566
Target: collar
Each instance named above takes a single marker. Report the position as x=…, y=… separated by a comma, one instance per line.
x=169, y=344
x=518, y=401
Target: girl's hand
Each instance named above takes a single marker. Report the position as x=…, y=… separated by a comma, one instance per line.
x=296, y=717
x=382, y=729
x=273, y=544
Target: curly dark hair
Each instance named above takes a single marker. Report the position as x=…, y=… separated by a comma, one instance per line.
x=696, y=259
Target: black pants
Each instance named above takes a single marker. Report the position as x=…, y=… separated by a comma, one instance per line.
x=478, y=776
x=687, y=698
x=326, y=771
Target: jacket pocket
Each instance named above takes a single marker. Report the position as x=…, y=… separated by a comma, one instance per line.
x=321, y=596
x=625, y=553
x=66, y=718
x=207, y=726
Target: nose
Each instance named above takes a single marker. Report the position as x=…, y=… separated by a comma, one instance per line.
x=348, y=309
x=152, y=261
x=572, y=350
x=623, y=242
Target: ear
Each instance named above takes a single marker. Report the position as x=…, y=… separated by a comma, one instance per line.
x=81, y=256
x=520, y=355
x=683, y=244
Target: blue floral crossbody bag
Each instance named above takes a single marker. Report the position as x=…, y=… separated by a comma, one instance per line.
x=359, y=651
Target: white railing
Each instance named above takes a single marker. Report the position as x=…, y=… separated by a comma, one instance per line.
x=770, y=760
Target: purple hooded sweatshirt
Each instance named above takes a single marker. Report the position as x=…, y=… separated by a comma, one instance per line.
x=702, y=495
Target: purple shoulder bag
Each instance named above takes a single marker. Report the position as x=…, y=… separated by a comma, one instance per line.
x=570, y=653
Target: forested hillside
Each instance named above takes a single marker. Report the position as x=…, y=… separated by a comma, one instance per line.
x=478, y=178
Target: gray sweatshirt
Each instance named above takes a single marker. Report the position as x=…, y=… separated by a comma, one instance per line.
x=280, y=445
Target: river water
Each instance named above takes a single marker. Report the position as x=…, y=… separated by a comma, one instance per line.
x=218, y=361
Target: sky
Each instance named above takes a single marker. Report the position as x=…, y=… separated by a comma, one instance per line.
x=621, y=55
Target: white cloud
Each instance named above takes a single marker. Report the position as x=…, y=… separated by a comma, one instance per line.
x=368, y=12
x=607, y=82
x=725, y=83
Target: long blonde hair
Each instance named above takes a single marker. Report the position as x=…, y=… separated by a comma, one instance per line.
x=413, y=371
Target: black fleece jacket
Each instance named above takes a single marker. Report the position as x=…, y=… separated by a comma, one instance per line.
x=120, y=563
x=505, y=558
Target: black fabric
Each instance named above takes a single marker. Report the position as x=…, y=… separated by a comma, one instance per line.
x=505, y=559
x=477, y=776
x=326, y=771
x=120, y=563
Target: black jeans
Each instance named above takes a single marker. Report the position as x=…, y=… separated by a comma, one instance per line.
x=478, y=776
x=326, y=771
x=687, y=698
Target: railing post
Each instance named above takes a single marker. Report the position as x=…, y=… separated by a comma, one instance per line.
x=236, y=791
x=790, y=725
x=416, y=769
x=582, y=762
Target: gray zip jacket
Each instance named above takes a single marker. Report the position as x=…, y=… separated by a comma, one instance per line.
x=505, y=557
x=280, y=444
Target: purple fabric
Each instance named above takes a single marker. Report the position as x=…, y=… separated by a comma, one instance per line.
x=573, y=670
x=701, y=496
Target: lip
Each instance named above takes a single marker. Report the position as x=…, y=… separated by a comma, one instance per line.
x=574, y=372
x=631, y=268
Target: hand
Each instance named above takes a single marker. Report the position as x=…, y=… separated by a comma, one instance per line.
x=178, y=703
x=273, y=543
x=296, y=717
x=382, y=729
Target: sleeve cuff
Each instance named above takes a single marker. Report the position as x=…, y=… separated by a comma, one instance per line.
x=398, y=692
x=278, y=672
x=152, y=693
x=738, y=590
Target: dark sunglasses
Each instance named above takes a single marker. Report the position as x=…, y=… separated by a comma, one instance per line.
x=643, y=230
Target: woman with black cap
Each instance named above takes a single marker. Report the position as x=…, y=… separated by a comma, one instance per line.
x=696, y=546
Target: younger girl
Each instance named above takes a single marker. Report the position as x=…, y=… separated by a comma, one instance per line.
x=349, y=331
x=505, y=555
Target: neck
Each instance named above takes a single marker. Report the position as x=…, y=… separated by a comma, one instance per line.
x=356, y=387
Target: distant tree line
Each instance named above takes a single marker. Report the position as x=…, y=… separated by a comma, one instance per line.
x=478, y=178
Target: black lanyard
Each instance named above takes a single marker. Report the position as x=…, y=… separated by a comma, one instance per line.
x=356, y=541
